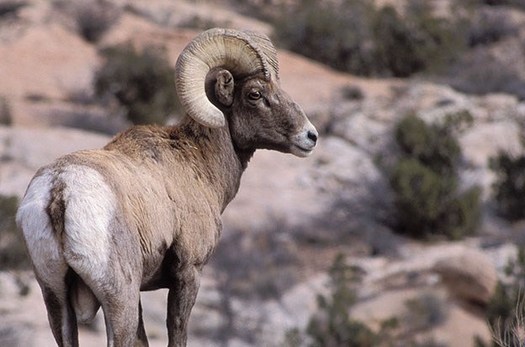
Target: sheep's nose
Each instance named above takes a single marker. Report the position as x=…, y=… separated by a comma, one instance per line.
x=312, y=136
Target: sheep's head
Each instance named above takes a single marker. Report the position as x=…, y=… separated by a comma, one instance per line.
x=231, y=77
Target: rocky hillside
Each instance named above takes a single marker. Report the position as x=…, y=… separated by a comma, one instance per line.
x=291, y=217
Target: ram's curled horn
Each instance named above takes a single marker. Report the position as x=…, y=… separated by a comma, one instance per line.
x=241, y=53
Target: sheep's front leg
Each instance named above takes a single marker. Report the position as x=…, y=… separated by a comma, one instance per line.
x=181, y=299
x=142, y=339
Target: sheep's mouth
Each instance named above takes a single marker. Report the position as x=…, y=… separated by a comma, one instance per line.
x=301, y=151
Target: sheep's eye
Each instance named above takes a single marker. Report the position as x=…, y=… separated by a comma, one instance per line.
x=255, y=95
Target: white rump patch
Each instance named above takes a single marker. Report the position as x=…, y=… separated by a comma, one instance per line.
x=90, y=208
x=43, y=246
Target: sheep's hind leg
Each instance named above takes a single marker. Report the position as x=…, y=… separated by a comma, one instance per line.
x=117, y=289
x=121, y=314
x=181, y=298
x=60, y=314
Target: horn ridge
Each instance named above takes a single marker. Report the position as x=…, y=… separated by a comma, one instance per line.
x=268, y=51
x=242, y=53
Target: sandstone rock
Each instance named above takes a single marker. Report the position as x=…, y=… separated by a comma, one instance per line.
x=275, y=187
x=484, y=140
x=46, y=61
x=470, y=276
x=362, y=130
x=499, y=106
x=23, y=151
x=13, y=333
x=182, y=13
x=480, y=143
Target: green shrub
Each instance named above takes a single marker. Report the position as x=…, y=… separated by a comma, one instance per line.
x=293, y=338
x=420, y=193
x=515, y=3
x=433, y=145
x=336, y=33
x=425, y=311
x=395, y=52
x=463, y=215
x=489, y=26
x=91, y=19
x=142, y=82
x=352, y=92
x=94, y=18
x=424, y=180
x=10, y=8
x=333, y=326
x=357, y=37
x=505, y=312
x=417, y=41
x=13, y=254
x=509, y=186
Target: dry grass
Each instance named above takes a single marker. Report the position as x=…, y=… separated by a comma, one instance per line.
x=512, y=332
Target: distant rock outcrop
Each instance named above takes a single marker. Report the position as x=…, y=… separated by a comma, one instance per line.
x=470, y=276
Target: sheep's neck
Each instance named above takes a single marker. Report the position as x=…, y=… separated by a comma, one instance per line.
x=222, y=164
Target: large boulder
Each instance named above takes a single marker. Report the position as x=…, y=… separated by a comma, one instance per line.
x=470, y=276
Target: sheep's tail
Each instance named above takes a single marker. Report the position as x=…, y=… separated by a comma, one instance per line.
x=81, y=297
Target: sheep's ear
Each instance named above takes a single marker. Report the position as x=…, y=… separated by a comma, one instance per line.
x=224, y=87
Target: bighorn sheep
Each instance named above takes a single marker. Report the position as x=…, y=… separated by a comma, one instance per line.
x=144, y=212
